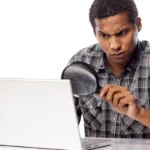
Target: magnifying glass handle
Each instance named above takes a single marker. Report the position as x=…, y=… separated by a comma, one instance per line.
x=98, y=90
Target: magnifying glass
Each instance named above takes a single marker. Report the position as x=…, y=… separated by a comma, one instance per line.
x=84, y=79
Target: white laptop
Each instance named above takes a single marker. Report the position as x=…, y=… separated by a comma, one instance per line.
x=40, y=114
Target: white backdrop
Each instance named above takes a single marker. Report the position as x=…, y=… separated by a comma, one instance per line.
x=38, y=37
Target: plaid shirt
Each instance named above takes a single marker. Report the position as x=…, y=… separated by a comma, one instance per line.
x=100, y=120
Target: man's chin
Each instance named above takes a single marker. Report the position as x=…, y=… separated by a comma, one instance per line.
x=120, y=61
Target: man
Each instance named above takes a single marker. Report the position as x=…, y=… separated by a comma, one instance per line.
x=122, y=109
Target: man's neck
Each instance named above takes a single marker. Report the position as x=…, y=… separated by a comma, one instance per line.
x=117, y=69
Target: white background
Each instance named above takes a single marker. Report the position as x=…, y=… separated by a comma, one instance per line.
x=38, y=37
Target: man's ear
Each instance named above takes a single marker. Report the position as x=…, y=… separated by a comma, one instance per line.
x=139, y=24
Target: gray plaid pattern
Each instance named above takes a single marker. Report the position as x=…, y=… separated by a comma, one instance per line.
x=100, y=120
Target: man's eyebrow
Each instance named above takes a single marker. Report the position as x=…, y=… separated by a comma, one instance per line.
x=103, y=32
x=123, y=29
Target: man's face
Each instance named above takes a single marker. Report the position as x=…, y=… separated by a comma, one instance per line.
x=117, y=37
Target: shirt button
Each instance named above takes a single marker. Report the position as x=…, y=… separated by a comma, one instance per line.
x=99, y=104
x=118, y=81
x=114, y=118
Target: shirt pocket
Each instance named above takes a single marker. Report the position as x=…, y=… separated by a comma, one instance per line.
x=130, y=125
x=91, y=110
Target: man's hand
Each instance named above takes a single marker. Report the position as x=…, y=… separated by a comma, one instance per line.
x=121, y=99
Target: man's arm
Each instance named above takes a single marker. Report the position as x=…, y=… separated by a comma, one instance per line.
x=123, y=101
x=143, y=117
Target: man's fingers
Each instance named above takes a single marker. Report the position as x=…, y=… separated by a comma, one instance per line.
x=129, y=100
x=104, y=91
x=112, y=89
x=116, y=99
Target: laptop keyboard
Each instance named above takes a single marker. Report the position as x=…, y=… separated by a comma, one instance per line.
x=92, y=141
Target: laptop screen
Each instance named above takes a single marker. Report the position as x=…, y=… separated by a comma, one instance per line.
x=38, y=113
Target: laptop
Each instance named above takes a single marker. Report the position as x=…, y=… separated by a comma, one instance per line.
x=40, y=113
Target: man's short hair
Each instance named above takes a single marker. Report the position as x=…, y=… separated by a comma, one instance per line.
x=105, y=8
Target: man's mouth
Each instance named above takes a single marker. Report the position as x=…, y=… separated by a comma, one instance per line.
x=119, y=55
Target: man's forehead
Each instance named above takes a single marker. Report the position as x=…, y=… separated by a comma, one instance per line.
x=112, y=24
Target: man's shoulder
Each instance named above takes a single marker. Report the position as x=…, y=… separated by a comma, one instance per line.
x=93, y=49
x=144, y=54
x=88, y=54
x=145, y=48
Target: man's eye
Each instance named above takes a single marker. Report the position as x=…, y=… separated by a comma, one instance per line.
x=122, y=33
x=105, y=36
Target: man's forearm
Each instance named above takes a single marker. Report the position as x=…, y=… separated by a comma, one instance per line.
x=144, y=117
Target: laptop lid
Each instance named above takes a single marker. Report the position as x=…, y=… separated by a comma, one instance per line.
x=38, y=113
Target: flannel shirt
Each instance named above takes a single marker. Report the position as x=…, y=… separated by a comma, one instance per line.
x=100, y=120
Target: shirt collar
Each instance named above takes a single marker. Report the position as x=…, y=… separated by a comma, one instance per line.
x=100, y=65
x=135, y=58
x=100, y=61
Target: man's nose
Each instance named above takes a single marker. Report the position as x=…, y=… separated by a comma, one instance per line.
x=115, y=43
